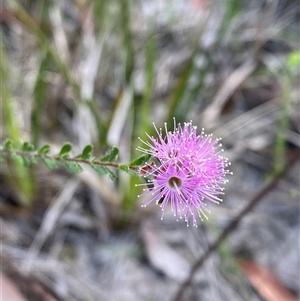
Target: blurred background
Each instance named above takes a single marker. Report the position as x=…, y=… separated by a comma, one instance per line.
x=101, y=72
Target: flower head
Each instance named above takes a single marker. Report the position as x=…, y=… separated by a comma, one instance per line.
x=188, y=170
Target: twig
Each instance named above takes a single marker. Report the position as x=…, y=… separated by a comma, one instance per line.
x=233, y=225
x=30, y=154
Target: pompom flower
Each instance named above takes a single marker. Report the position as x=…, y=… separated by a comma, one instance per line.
x=187, y=170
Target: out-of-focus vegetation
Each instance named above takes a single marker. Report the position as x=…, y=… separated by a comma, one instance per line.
x=100, y=72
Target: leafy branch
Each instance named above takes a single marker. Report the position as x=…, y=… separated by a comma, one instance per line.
x=26, y=154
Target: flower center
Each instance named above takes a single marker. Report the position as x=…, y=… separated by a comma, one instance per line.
x=174, y=183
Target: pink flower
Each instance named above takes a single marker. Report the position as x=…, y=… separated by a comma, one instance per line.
x=188, y=170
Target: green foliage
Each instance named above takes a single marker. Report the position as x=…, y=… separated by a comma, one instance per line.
x=27, y=147
x=39, y=96
x=111, y=156
x=8, y=144
x=127, y=38
x=24, y=186
x=51, y=163
x=127, y=169
x=141, y=160
x=73, y=167
x=66, y=148
x=86, y=153
x=25, y=154
x=44, y=150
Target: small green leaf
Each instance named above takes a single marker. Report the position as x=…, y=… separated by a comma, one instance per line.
x=8, y=144
x=73, y=167
x=111, y=156
x=102, y=170
x=51, y=163
x=128, y=170
x=111, y=174
x=66, y=148
x=26, y=161
x=17, y=158
x=141, y=160
x=86, y=153
x=44, y=150
x=27, y=147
